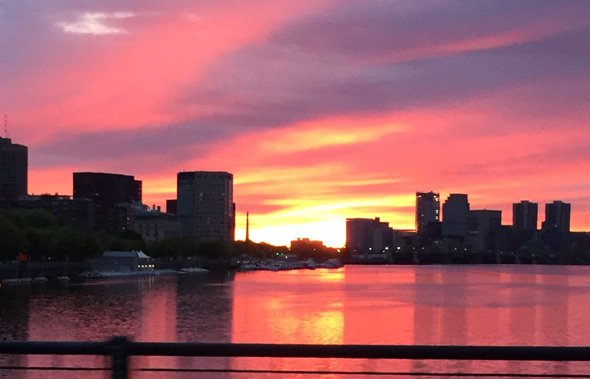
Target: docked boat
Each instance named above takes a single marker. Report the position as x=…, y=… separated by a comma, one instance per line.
x=121, y=263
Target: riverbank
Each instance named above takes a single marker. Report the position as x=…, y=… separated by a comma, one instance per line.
x=26, y=272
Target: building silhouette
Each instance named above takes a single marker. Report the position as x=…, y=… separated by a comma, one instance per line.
x=205, y=206
x=171, y=206
x=557, y=216
x=367, y=236
x=482, y=226
x=455, y=213
x=77, y=213
x=154, y=225
x=13, y=170
x=306, y=247
x=524, y=215
x=115, y=196
x=427, y=210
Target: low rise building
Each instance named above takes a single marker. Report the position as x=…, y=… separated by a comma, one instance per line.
x=155, y=226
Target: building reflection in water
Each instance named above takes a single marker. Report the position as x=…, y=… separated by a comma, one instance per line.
x=14, y=320
x=83, y=312
x=204, y=314
x=158, y=319
x=471, y=305
x=195, y=308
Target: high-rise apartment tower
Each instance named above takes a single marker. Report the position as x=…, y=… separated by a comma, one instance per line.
x=524, y=215
x=427, y=209
x=205, y=206
x=455, y=213
x=13, y=169
x=557, y=216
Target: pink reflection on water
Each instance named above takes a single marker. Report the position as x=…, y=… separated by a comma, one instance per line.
x=471, y=305
x=297, y=306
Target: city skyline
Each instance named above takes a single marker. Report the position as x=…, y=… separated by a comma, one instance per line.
x=322, y=110
x=207, y=211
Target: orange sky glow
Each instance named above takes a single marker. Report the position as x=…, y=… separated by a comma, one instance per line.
x=322, y=110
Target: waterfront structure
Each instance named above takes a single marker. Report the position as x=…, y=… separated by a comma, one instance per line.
x=524, y=215
x=205, y=206
x=122, y=262
x=557, y=216
x=13, y=170
x=427, y=210
x=482, y=227
x=367, y=236
x=455, y=212
x=116, y=197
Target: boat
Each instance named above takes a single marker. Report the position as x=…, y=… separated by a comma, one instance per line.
x=120, y=274
x=123, y=263
x=331, y=263
x=310, y=264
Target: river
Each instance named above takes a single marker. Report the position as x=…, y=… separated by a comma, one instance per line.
x=463, y=305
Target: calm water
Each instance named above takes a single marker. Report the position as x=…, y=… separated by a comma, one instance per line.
x=465, y=305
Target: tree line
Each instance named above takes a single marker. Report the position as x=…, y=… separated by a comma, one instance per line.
x=38, y=235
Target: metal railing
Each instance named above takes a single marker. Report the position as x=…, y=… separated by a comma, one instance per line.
x=120, y=349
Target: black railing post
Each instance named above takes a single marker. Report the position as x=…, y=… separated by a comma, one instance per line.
x=119, y=357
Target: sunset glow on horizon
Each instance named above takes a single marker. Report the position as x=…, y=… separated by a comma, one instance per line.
x=322, y=110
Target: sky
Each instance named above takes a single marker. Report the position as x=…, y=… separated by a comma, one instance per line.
x=322, y=110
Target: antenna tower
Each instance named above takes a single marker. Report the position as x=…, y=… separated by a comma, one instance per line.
x=5, y=125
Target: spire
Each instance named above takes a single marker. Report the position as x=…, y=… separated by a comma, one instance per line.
x=247, y=226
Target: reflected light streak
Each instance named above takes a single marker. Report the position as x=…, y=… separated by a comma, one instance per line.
x=331, y=275
x=327, y=327
x=275, y=315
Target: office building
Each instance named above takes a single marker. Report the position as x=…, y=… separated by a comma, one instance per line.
x=115, y=197
x=205, y=206
x=427, y=210
x=154, y=226
x=367, y=236
x=171, y=206
x=107, y=189
x=482, y=227
x=455, y=212
x=524, y=215
x=13, y=170
x=557, y=216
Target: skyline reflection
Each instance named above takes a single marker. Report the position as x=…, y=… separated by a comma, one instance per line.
x=397, y=305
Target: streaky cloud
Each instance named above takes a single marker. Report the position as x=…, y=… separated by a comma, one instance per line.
x=95, y=23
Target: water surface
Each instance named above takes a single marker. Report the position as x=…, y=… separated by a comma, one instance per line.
x=463, y=305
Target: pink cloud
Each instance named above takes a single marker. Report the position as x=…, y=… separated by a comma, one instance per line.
x=322, y=110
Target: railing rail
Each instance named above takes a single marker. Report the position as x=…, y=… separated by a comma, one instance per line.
x=121, y=348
